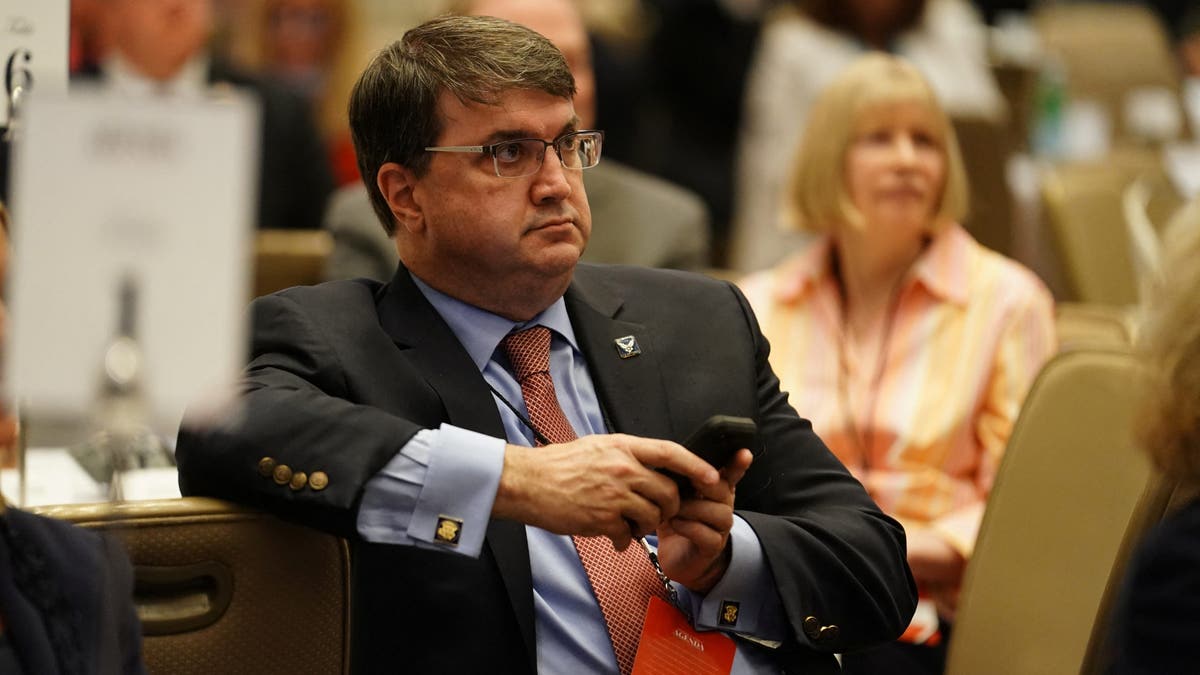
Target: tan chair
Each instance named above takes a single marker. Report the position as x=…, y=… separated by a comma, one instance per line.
x=1109, y=49
x=286, y=258
x=1083, y=326
x=1072, y=491
x=1083, y=210
x=1148, y=203
x=223, y=589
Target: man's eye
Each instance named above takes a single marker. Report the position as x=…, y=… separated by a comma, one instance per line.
x=509, y=152
x=569, y=144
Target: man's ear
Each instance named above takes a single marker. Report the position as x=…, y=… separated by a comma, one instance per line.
x=396, y=183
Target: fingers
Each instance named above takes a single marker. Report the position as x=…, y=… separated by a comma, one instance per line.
x=607, y=485
x=673, y=457
x=731, y=474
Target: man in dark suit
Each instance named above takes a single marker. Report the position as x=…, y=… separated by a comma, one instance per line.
x=161, y=48
x=404, y=415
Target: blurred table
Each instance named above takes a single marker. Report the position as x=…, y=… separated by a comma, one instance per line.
x=54, y=477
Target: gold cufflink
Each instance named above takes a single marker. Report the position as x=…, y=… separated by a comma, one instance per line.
x=448, y=530
x=729, y=613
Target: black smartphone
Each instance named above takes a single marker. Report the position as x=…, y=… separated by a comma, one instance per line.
x=716, y=441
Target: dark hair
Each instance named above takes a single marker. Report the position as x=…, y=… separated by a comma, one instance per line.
x=843, y=17
x=393, y=107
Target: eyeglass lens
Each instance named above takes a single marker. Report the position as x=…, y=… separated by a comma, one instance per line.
x=524, y=157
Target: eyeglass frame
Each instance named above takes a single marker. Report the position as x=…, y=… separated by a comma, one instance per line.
x=491, y=149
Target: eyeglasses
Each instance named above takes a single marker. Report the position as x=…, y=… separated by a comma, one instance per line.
x=523, y=156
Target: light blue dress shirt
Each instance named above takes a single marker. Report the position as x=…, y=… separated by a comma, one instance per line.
x=454, y=471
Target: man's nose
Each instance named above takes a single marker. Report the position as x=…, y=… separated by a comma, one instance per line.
x=550, y=183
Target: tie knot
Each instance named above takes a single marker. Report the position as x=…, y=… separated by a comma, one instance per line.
x=529, y=351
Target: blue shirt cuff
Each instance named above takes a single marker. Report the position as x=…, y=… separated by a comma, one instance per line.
x=437, y=492
x=747, y=586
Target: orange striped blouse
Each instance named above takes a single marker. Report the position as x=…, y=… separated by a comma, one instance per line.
x=971, y=330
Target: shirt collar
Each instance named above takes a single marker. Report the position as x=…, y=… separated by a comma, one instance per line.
x=190, y=82
x=942, y=268
x=480, y=331
x=801, y=273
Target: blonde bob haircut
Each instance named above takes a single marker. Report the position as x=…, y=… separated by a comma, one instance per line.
x=1169, y=421
x=817, y=198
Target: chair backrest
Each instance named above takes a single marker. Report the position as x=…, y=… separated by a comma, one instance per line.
x=223, y=589
x=1109, y=49
x=1083, y=209
x=1083, y=326
x=286, y=258
x=1148, y=203
x=1071, y=489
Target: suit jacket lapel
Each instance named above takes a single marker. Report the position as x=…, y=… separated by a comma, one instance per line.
x=631, y=390
x=431, y=346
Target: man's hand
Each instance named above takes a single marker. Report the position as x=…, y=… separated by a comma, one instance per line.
x=603, y=485
x=693, y=546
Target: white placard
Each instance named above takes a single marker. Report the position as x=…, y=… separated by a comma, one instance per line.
x=162, y=191
x=34, y=46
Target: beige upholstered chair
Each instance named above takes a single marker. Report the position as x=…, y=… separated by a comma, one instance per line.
x=1072, y=494
x=285, y=258
x=1084, y=214
x=1148, y=203
x=1083, y=326
x=223, y=589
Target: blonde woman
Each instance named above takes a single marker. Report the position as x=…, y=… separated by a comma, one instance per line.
x=1157, y=619
x=908, y=344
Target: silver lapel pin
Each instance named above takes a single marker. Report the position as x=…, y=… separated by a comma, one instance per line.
x=627, y=347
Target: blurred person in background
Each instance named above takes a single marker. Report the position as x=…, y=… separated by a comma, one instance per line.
x=1157, y=617
x=312, y=46
x=804, y=44
x=639, y=219
x=66, y=594
x=910, y=346
x=160, y=47
x=84, y=37
x=696, y=60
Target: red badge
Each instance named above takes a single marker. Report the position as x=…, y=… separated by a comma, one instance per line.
x=670, y=646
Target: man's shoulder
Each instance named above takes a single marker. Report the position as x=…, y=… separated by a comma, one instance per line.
x=625, y=184
x=656, y=284
x=342, y=296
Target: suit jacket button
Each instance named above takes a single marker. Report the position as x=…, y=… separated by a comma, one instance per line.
x=318, y=480
x=299, y=480
x=828, y=633
x=283, y=474
x=812, y=627
x=266, y=467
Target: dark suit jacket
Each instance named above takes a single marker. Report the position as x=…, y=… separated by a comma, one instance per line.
x=66, y=596
x=344, y=373
x=1156, y=623
x=294, y=179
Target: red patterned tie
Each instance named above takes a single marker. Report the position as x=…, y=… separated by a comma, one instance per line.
x=622, y=581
